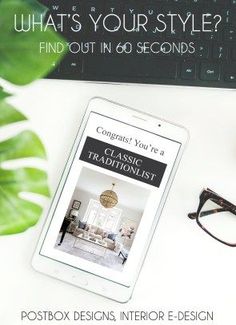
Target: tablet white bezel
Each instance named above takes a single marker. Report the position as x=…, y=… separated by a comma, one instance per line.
x=80, y=277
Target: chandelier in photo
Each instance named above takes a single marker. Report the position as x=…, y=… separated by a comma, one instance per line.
x=109, y=198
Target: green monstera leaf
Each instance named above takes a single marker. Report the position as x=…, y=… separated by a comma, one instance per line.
x=17, y=213
x=21, y=63
x=20, y=59
x=3, y=94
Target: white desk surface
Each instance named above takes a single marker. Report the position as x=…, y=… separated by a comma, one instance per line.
x=185, y=269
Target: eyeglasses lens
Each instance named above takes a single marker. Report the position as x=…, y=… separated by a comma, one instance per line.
x=218, y=221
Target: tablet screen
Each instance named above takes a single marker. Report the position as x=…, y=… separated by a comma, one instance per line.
x=106, y=210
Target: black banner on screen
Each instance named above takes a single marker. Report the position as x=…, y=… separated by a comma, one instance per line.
x=123, y=162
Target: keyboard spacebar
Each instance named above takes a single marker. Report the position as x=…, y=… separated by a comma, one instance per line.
x=130, y=68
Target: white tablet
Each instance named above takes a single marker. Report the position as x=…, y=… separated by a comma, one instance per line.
x=109, y=199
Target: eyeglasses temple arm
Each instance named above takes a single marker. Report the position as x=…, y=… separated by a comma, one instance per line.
x=193, y=215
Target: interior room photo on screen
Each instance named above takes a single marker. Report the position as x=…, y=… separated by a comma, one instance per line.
x=102, y=219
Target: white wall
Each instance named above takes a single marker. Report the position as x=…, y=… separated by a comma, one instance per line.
x=84, y=197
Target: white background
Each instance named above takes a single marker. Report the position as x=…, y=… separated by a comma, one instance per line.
x=185, y=269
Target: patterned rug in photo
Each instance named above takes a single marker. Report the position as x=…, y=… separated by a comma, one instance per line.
x=103, y=256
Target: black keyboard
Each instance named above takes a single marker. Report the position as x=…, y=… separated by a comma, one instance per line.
x=173, y=57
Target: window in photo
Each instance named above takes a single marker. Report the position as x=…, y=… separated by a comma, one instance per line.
x=99, y=216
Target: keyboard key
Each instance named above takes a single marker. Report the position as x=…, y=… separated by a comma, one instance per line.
x=93, y=6
x=132, y=7
x=202, y=50
x=188, y=71
x=113, y=7
x=179, y=2
x=175, y=33
x=130, y=68
x=217, y=2
x=225, y=16
x=71, y=65
x=162, y=69
x=108, y=67
x=219, y=52
x=230, y=34
x=229, y=72
x=192, y=35
x=230, y=77
x=150, y=10
x=210, y=72
x=75, y=8
x=231, y=15
x=234, y=53
x=54, y=6
x=211, y=36
x=195, y=2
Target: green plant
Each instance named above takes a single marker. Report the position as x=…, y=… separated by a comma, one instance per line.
x=21, y=63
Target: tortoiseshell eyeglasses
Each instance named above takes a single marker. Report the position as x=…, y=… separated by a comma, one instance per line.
x=217, y=217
